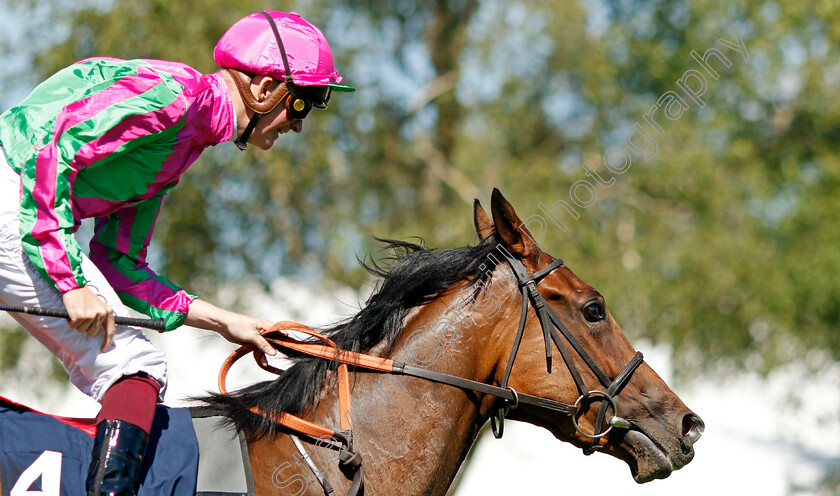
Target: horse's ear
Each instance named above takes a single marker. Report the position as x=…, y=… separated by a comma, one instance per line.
x=511, y=229
x=483, y=223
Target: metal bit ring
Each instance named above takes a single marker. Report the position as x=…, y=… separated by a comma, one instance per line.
x=577, y=406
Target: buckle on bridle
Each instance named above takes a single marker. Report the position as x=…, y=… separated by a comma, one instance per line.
x=498, y=427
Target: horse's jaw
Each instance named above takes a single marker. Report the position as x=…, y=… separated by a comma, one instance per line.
x=653, y=452
x=651, y=448
x=647, y=460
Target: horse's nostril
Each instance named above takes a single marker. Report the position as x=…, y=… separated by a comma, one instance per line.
x=692, y=428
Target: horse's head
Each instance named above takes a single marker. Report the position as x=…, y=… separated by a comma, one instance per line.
x=653, y=430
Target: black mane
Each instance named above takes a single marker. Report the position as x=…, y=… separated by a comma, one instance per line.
x=416, y=276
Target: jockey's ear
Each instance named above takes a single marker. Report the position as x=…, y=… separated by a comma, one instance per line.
x=483, y=224
x=262, y=86
x=512, y=231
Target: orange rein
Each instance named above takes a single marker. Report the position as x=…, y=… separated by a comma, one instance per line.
x=278, y=337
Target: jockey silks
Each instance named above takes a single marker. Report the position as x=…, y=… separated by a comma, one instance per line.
x=107, y=138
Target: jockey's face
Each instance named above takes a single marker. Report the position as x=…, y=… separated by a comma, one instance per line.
x=273, y=124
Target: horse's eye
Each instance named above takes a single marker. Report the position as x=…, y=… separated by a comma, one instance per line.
x=594, y=311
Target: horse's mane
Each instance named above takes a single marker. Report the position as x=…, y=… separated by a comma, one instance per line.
x=417, y=275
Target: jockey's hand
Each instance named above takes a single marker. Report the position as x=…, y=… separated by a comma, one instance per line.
x=89, y=314
x=245, y=330
x=235, y=327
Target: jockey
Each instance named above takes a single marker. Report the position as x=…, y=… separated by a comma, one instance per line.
x=107, y=139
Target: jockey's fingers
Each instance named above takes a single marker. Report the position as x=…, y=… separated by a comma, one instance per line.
x=263, y=345
x=81, y=325
x=92, y=326
x=264, y=324
x=110, y=328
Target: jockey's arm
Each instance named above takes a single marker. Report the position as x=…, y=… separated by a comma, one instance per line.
x=235, y=327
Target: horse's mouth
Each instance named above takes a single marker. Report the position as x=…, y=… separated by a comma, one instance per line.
x=648, y=461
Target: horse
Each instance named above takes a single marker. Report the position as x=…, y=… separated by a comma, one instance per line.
x=455, y=312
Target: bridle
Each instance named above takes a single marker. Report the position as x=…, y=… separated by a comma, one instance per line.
x=342, y=440
x=551, y=323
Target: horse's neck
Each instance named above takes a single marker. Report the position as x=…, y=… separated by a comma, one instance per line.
x=415, y=434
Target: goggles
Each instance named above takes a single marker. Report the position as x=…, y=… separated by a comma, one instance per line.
x=300, y=100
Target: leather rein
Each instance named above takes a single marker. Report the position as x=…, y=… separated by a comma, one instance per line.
x=342, y=441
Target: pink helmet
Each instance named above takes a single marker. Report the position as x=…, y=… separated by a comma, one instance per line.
x=250, y=45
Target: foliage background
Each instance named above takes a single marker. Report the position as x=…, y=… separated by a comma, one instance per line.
x=723, y=245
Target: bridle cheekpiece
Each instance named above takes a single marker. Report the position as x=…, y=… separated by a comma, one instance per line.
x=551, y=324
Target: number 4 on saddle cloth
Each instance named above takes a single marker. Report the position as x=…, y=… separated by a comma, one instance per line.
x=43, y=455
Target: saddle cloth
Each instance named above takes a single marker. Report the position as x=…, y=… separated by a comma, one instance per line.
x=42, y=455
x=224, y=468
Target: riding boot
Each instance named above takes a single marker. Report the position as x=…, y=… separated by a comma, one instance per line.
x=117, y=455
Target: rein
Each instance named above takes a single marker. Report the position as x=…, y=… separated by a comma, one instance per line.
x=342, y=441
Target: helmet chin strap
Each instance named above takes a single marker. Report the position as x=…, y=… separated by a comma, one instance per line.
x=243, y=84
x=242, y=141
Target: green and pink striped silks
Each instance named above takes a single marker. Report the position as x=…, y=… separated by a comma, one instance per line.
x=107, y=138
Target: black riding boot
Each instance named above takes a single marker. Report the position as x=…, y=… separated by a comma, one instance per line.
x=117, y=455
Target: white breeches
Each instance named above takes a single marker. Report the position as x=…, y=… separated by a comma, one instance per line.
x=91, y=370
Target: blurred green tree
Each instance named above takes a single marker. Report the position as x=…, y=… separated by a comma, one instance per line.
x=720, y=243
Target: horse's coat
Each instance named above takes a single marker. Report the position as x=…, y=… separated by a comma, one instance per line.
x=413, y=434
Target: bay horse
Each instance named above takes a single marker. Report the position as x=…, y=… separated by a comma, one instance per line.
x=456, y=311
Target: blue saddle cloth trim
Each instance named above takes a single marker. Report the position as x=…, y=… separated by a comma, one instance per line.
x=170, y=466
